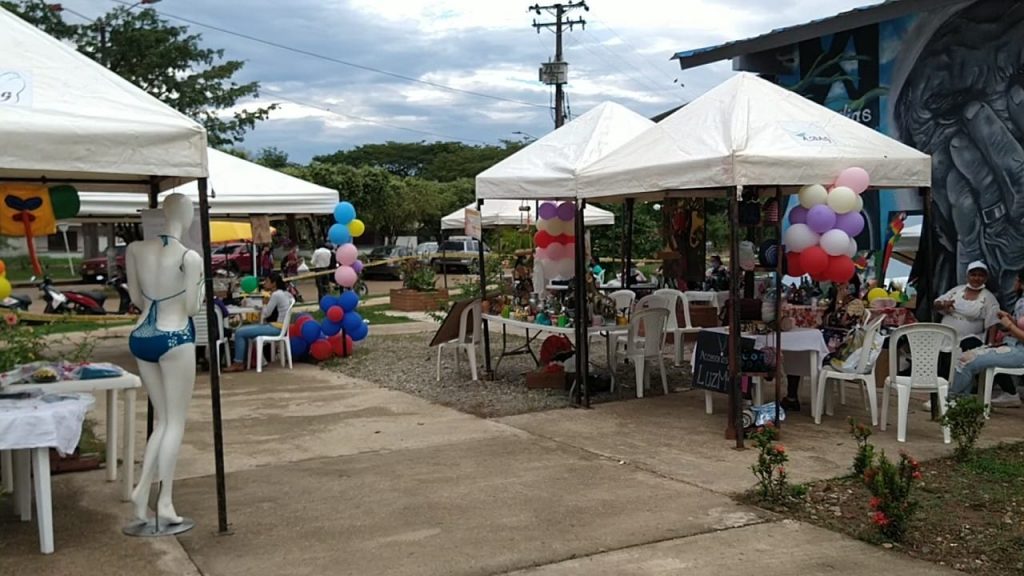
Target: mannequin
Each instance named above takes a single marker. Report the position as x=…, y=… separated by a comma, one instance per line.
x=165, y=282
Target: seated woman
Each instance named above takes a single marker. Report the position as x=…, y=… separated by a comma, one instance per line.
x=1008, y=355
x=271, y=315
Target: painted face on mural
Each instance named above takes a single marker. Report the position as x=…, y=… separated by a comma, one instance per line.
x=963, y=103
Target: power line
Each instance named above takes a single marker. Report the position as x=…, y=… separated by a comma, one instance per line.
x=334, y=60
x=597, y=55
x=329, y=110
x=636, y=51
x=653, y=82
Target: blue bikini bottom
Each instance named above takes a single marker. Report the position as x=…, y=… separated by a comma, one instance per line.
x=149, y=343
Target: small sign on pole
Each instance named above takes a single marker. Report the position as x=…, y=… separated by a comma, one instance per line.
x=474, y=225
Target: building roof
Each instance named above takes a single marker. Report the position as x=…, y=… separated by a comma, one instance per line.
x=779, y=37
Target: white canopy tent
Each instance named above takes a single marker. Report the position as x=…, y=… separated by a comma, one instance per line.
x=547, y=168
x=748, y=131
x=518, y=213
x=238, y=187
x=64, y=117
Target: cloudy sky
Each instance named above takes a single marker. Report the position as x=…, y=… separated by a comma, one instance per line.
x=487, y=49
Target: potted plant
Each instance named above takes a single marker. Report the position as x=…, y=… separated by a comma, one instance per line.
x=418, y=292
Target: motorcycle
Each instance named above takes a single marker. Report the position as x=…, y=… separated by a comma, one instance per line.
x=60, y=302
x=16, y=302
x=120, y=284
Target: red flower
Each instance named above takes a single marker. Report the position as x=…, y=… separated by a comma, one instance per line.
x=782, y=471
x=880, y=519
x=916, y=475
x=780, y=448
x=869, y=474
x=769, y=424
x=11, y=319
x=875, y=502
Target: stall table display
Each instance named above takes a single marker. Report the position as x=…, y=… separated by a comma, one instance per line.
x=87, y=378
x=31, y=424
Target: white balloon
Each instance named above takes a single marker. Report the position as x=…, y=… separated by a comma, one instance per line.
x=851, y=251
x=812, y=195
x=835, y=242
x=842, y=200
x=860, y=204
x=799, y=237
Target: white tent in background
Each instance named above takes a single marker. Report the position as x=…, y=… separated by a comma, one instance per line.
x=65, y=117
x=748, y=131
x=547, y=168
x=239, y=187
x=518, y=213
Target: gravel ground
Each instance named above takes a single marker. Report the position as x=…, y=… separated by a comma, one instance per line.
x=407, y=363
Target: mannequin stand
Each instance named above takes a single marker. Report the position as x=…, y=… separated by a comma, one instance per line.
x=154, y=527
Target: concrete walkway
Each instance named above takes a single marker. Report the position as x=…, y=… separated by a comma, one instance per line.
x=329, y=474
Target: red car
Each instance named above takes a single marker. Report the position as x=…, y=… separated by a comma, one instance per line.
x=95, y=269
x=234, y=257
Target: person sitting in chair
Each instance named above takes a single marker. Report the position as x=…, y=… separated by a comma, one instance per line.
x=270, y=317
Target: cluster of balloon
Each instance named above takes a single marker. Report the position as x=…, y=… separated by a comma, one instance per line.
x=342, y=326
x=820, y=239
x=556, y=239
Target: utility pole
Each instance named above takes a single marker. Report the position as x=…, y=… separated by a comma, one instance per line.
x=557, y=72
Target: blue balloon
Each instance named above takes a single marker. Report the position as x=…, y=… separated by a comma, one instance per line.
x=327, y=301
x=311, y=331
x=348, y=301
x=351, y=322
x=299, y=347
x=338, y=234
x=361, y=332
x=330, y=328
x=344, y=213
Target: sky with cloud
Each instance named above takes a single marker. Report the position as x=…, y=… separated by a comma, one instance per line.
x=336, y=68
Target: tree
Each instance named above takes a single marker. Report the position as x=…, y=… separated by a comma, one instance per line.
x=273, y=157
x=164, y=60
x=438, y=161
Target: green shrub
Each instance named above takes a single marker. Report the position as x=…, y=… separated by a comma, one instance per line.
x=890, y=486
x=418, y=276
x=770, y=469
x=965, y=419
x=865, y=450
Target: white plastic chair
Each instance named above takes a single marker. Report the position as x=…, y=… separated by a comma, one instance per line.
x=990, y=376
x=202, y=335
x=926, y=342
x=623, y=299
x=864, y=373
x=643, y=349
x=470, y=328
x=280, y=339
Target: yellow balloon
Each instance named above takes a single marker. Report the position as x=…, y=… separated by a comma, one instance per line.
x=356, y=228
x=876, y=293
x=5, y=287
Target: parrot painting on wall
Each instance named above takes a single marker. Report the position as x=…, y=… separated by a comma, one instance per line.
x=32, y=210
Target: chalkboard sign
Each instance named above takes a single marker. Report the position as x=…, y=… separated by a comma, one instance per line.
x=711, y=360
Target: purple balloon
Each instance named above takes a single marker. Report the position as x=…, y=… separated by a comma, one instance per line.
x=566, y=211
x=357, y=266
x=852, y=223
x=547, y=211
x=798, y=215
x=821, y=219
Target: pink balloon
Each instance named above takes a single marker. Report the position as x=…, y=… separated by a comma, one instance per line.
x=556, y=251
x=347, y=254
x=855, y=178
x=345, y=276
x=541, y=254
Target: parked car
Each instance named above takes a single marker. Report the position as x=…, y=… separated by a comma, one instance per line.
x=235, y=257
x=95, y=269
x=425, y=250
x=391, y=270
x=459, y=253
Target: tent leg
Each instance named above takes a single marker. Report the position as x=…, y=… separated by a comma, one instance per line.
x=734, y=426
x=211, y=323
x=628, y=265
x=482, y=267
x=582, y=344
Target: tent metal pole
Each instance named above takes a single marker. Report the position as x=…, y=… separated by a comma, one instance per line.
x=154, y=195
x=211, y=323
x=928, y=295
x=481, y=267
x=580, y=288
x=734, y=426
x=628, y=266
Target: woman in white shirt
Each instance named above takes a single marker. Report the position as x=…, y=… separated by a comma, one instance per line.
x=271, y=316
x=970, y=309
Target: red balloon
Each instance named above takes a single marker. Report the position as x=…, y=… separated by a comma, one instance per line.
x=793, y=265
x=295, y=330
x=337, y=348
x=335, y=314
x=814, y=261
x=542, y=239
x=840, y=269
x=320, y=350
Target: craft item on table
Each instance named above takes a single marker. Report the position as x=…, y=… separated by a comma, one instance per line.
x=748, y=257
x=44, y=374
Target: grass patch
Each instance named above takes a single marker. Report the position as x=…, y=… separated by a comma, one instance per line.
x=19, y=269
x=65, y=327
x=970, y=515
x=89, y=443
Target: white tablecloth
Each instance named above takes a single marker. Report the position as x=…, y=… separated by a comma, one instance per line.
x=795, y=340
x=716, y=299
x=52, y=420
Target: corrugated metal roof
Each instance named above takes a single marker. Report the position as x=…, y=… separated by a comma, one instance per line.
x=790, y=35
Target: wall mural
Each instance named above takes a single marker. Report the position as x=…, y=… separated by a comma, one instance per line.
x=949, y=82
